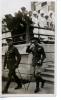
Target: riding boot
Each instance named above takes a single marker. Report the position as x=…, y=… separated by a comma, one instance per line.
x=37, y=87
x=43, y=82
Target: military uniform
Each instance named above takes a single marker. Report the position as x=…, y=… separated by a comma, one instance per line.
x=12, y=60
x=38, y=55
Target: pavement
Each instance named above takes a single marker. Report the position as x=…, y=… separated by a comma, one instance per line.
x=48, y=88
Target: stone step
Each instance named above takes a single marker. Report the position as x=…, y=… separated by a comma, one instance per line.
x=50, y=65
x=47, y=74
x=49, y=79
x=49, y=69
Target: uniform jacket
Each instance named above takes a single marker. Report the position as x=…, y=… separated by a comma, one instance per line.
x=38, y=54
x=12, y=58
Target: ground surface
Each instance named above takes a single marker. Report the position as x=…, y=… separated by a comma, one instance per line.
x=48, y=88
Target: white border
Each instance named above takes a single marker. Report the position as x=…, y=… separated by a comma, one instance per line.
x=38, y=95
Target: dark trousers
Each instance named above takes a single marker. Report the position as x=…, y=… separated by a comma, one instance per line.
x=10, y=75
x=38, y=79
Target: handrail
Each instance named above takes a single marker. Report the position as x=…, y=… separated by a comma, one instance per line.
x=22, y=41
x=43, y=34
x=43, y=28
x=23, y=34
x=36, y=27
x=14, y=36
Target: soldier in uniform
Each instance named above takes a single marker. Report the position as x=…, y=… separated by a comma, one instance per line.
x=37, y=61
x=12, y=60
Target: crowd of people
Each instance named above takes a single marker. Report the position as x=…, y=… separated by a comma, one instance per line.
x=43, y=21
x=29, y=22
x=36, y=19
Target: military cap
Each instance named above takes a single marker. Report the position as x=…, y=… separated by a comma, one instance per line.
x=35, y=39
x=35, y=13
x=8, y=39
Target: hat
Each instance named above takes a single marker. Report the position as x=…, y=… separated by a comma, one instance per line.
x=23, y=8
x=36, y=39
x=51, y=12
x=34, y=13
x=8, y=39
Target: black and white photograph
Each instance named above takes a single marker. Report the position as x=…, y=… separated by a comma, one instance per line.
x=28, y=47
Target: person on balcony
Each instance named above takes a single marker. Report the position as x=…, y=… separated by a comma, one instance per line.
x=51, y=20
x=47, y=22
x=41, y=19
x=35, y=23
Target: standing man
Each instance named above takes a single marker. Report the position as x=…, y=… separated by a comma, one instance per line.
x=12, y=60
x=37, y=61
x=51, y=20
x=35, y=23
x=46, y=21
x=41, y=19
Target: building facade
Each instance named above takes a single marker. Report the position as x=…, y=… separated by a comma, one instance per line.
x=46, y=6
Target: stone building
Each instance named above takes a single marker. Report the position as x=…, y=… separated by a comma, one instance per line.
x=46, y=6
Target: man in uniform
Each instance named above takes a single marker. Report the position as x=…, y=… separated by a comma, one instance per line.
x=12, y=60
x=37, y=61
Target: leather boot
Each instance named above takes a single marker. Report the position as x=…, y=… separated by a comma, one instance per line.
x=43, y=82
x=19, y=86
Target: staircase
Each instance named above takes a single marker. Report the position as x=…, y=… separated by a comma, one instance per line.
x=48, y=74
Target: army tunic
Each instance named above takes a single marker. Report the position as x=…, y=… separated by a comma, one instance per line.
x=38, y=54
x=12, y=57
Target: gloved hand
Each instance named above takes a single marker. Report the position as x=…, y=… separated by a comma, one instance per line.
x=40, y=62
x=32, y=46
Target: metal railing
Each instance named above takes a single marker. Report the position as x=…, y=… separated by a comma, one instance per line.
x=27, y=40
